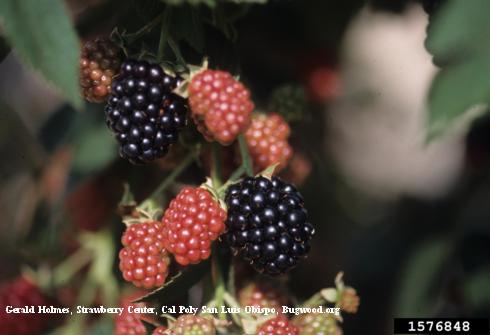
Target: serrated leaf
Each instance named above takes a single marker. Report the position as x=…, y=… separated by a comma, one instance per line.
x=464, y=50
x=178, y=284
x=41, y=32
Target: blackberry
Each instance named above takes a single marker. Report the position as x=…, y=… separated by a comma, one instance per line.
x=267, y=224
x=99, y=63
x=143, y=113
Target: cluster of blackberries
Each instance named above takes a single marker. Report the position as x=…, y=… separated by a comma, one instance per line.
x=267, y=224
x=143, y=113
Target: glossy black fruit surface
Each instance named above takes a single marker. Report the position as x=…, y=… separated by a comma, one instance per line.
x=143, y=113
x=267, y=224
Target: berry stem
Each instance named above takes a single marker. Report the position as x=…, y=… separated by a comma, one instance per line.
x=174, y=174
x=216, y=165
x=246, y=161
x=219, y=283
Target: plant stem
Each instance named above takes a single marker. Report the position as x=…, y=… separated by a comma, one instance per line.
x=216, y=165
x=246, y=161
x=219, y=284
x=174, y=174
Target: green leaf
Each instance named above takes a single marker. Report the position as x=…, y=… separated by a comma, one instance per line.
x=455, y=91
x=450, y=34
x=477, y=288
x=416, y=291
x=41, y=32
x=95, y=150
x=178, y=284
x=464, y=50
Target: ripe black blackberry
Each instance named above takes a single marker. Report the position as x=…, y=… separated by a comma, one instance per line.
x=143, y=113
x=267, y=224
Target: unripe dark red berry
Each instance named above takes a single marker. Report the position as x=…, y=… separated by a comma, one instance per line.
x=99, y=63
x=220, y=105
x=129, y=323
x=267, y=141
x=193, y=220
x=143, y=260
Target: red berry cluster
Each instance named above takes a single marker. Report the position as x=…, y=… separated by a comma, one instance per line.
x=191, y=222
x=278, y=326
x=99, y=62
x=21, y=293
x=129, y=323
x=221, y=106
x=267, y=140
x=144, y=260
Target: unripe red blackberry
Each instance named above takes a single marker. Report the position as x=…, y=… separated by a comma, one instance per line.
x=262, y=294
x=317, y=324
x=267, y=141
x=143, y=114
x=143, y=260
x=99, y=63
x=193, y=220
x=129, y=323
x=193, y=325
x=220, y=105
x=23, y=292
x=278, y=326
x=267, y=224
